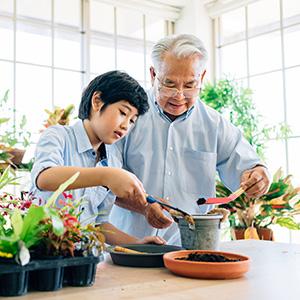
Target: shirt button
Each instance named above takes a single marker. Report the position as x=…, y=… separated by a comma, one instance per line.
x=171, y=148
x=168, y=198
x=94, y=153
x=169, y=173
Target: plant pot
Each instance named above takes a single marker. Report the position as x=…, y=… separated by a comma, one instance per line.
x=18, y=155
x=14, y=284
x=205, y=236
x=263, y=233
x=46, y=279
x=83, y=275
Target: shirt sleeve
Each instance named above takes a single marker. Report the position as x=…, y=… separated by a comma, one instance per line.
x=235, y=154
x=49, y=151
x=97, y=203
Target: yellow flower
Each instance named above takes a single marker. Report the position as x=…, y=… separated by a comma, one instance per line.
x=5, y=254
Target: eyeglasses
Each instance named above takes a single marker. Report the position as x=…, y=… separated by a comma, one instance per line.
x=170, y=92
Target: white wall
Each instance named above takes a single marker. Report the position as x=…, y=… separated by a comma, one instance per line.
x=194, y=19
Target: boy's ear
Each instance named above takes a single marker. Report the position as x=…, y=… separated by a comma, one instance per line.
x=96, y=102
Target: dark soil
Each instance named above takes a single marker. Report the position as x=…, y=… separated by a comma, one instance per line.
x=207, y=258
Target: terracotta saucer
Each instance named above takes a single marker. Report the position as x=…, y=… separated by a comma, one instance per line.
x=207, y=270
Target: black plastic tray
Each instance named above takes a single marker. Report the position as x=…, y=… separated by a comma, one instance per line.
x=153, y=258
x=47, y=274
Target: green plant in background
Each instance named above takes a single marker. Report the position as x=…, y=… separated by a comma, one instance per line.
x=229, y=98
x=279, y=206
x=59, y=116
x=7, y=177
x=12, y=137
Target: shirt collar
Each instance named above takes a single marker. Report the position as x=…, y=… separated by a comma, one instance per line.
x=161, y=112
x=81, y=137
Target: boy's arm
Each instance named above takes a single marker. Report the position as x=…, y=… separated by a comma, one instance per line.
x=120, y=182
x=114, y=236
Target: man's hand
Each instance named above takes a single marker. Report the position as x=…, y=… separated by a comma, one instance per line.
x=155, y=216
x=152, y=240
x=255, y=181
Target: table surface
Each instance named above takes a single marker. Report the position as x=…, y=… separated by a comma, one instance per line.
x=274, y=274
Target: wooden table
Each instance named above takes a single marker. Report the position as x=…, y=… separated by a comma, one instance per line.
x=274, y=274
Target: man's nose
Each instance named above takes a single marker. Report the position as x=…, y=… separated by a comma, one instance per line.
x=179, y=94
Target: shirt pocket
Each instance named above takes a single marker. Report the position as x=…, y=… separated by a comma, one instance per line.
x=199, y=173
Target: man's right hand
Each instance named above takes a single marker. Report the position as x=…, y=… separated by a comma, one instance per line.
x=156, y=217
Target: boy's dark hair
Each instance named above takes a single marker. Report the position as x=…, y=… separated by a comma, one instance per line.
x=114, y=86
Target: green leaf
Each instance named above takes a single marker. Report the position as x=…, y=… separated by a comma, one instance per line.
x=61, y=188
x=3, y=120
x=17, y=222
x=288, y=222
x=31, y=222
x=57, y=223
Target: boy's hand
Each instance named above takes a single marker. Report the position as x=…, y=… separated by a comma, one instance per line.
x=155, y=216
x=126, y=185
x=152, y=240
x=255, y=181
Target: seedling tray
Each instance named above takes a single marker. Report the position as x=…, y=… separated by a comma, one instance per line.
x=47, y=274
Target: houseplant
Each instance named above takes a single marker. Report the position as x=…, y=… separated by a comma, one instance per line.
x=234, y=101
x=51, y=237
x=59, y=116
x=251, y=217
x=10, y=137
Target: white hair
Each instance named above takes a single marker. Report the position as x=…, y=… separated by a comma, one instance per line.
x=182, y=45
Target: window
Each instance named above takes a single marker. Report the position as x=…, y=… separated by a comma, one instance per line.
x=52, y=48
x=262, y=49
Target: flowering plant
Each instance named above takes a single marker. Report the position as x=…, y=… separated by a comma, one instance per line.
x=45, y=230
x=279, y=206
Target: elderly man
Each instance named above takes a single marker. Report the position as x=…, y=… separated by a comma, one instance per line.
x=176, y=148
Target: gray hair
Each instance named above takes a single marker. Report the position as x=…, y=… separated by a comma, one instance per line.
x=182, y=45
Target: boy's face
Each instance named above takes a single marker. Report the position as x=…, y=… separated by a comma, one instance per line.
x=114, y=122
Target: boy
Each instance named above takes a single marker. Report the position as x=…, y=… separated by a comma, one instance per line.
x=109, y=107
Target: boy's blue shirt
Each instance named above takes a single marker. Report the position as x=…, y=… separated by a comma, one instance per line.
x=70, y=146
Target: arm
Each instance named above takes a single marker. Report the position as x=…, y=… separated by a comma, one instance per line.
x=120, y=182
x=238, y=163
x=114, y=236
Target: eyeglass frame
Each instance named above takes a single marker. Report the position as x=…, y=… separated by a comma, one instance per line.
x=176, y=91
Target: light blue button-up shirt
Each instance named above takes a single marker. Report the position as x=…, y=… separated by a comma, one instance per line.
x=70, y=146
x=178, y=161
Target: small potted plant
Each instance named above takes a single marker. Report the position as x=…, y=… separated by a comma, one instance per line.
x=12, y=137
x=252, y=217
x=49, y=244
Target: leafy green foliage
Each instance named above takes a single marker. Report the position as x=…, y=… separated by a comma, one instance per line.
x=7, y=177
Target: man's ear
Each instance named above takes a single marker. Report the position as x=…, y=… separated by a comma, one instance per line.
x=153, y=74
x=96, y=102
x=202, y=75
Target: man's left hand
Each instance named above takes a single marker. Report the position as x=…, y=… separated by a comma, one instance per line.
x=255, y=181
